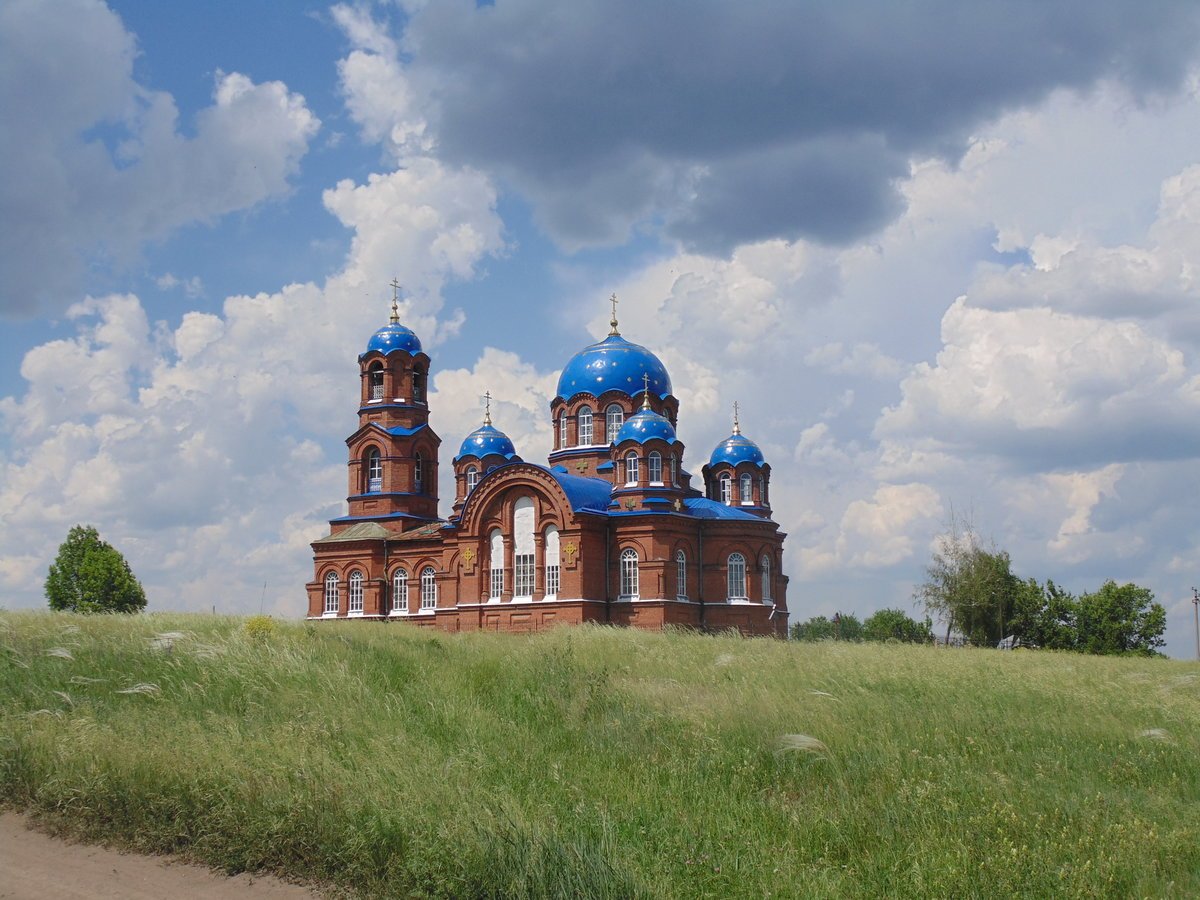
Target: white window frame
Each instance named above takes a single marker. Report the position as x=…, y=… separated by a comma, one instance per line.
x=472, y=478
x=583, y=424
x=563, y=441
x=429, y=591
x=725, y=488
x=614, y=418
x=632, y=469
x=654, y=467
x=629, y=574
x=333, y=591
x=765, y=566
x=400, y=593
x=355, y=607
x=496, y=566
x=746, y=489
x=735, y=581
x=375, y=390
x=553, y=571
x=681, y=575
x=524, y=576
x=374, y=471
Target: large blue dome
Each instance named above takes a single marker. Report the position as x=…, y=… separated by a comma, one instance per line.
x=613, y=364
x=646, y=425
x=393, y=336
x=484, y=441
x=736, y=448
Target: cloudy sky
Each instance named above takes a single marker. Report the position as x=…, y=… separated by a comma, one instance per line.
x=945, y=255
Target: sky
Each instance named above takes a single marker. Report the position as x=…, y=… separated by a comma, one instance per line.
x=943, y=255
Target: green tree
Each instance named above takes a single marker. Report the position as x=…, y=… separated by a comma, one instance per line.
x=970, y=587
x=1120, y=619
x=1045, y=617
x=896, y=625
x=90, y=575
x=842, y=627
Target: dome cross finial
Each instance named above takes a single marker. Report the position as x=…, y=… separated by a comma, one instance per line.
x=395, y=285
x=487, y=407
x=613, y=323
x=646, y=390
x=737, y=428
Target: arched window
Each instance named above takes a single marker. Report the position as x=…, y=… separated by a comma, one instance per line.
x=375, y=378
x=418, y=385
x=562, y=431
x=674, y=470
x=762, y=490
x=654, y=463
x=400, y=592
x=524, y=524
x=584, y=423
x=472, y=478
x=725, y=484
x=614, y=418
x=552, y=563
x=418, y=474
x=374, y=471
x=496, y=581
x=428, y=588
x=631, y=469
x=629, y=574
x=737, y=576
x=356, y=593
x=745, y=489
x=766, y=579
x=681, y=575
x=332, y=600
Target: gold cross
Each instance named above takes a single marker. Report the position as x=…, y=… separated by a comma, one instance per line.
x=737, y=429
x=487, y=415
x=613, y=300
x=468, y=555
x=570, y=550
x=646, y=390
x=395, y=299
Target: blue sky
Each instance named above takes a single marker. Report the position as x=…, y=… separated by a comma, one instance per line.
x=944, y=256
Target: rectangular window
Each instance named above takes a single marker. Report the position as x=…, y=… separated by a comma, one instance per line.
x=552, y=580
x=631, y=470
x=377, y=392
x=655, y=464
x=497, y=587
x=523, y=575
x=356, y=594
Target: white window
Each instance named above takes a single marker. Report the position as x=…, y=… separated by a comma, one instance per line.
x=584, y=423
x=356, y=593
x=674, y=470
x=614, y=418
x=496, y=582
x=631, y=469
x=400, y=592
x=629, y=574
x=552, y=563
x=524, y=525
x=654, y=462
x=374, y=471
x=332, y=600
x=737, y=576
x=472, y=478
x=418, y=473
x=562, y=430
x=766, y=579
x=725, y=483
x=681, y=575
x=762, y=491
x=428, y=588
x=376, y=381
x=745, y=488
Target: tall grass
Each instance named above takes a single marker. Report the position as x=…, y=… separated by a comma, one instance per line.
x=604, y=763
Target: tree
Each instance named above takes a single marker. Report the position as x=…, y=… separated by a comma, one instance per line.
x=972, y=588
x=90, y=575
x=842, y=627
x=1120, y=619
x=895, y=625
x=1045, y=617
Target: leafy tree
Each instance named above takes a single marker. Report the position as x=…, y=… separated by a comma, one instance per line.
x=1045, y=617
x=842, y=627
x=90, y=575
x=972, y=588
x=895, y=625
x=1120, y=619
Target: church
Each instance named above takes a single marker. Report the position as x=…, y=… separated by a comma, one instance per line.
x=611, y=530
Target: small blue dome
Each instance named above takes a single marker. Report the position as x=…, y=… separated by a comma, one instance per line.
x=484, y=441
x=393, y=336
x=613, y=364
x=646, y=425
x=737, y=448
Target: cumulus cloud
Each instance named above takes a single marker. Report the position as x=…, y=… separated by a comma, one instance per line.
x=94, y=162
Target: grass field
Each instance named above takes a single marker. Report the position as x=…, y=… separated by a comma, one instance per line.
x=605, y=763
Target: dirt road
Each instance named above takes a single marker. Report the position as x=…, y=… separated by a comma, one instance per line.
x=34, y=866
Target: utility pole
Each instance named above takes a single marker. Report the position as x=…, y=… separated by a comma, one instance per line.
x=1196, y=613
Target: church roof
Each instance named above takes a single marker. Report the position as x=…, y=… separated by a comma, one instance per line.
x=703, y=508
x=586, y=494
x=613, y=364
x=359, y=531
x=484, y=441
x=391, y=337
x=735, y=449
x=646, y=425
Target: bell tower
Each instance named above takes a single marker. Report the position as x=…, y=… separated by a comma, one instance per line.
x=393, y=456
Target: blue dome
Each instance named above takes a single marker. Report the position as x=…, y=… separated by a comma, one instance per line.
x=645, y=425
x=613, y=364
x=737, y=448
x=393, y=336
x=484, y=441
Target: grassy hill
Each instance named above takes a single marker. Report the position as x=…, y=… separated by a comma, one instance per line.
x=598, y=762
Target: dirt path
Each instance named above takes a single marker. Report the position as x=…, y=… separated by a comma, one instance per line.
x=34, y=866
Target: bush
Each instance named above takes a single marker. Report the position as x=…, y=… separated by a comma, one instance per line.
x=259, y=628
x=842, y=627
x=895, y=625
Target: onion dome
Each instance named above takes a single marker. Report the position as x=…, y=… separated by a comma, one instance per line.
x=646, y=424
x=486, y=440
x=393, y=335
x=737, y=448
x=613, y=364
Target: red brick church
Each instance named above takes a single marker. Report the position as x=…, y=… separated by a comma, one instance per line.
x=610, y=531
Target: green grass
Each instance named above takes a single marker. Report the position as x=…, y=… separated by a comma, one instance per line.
x=605, y=763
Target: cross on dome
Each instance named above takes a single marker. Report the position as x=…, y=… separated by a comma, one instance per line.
x=613, y=301
x=487, y=407
x=737, y=428
x=645, y=390
x=395, y=285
